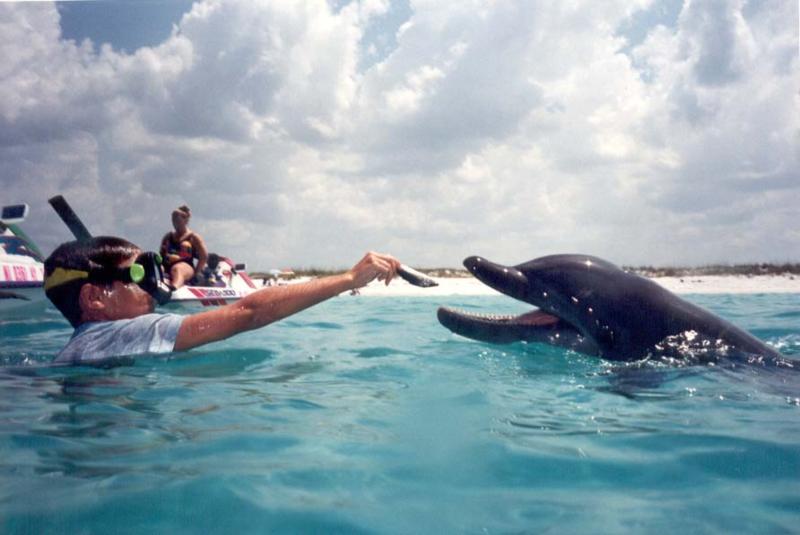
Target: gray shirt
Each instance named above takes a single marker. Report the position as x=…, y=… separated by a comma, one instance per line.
x=95, y=341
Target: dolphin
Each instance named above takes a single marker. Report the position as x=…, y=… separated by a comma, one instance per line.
x=591, y=306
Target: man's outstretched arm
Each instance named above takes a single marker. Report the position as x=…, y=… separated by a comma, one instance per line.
x=272, y=304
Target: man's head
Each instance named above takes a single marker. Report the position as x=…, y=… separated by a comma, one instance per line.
x=87, y=281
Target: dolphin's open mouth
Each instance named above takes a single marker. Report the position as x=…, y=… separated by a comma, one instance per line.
x=535, y=326
x=534, y=318
x=500, y=329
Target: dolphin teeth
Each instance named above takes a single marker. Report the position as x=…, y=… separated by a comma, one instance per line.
x=484, y=316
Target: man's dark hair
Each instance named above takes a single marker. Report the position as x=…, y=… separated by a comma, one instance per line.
x=101, y=252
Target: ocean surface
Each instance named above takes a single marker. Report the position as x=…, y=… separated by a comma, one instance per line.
x=364, y=415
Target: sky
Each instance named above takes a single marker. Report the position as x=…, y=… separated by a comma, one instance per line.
x=304, y=133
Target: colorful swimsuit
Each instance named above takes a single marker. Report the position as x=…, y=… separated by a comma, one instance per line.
x=182, y=250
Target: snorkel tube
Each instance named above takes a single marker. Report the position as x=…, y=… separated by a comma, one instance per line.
x=146, y=271
x=70, y=218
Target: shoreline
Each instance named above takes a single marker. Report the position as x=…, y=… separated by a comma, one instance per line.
x=705, y=284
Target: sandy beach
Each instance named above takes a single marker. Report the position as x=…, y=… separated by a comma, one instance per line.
x=710, y=284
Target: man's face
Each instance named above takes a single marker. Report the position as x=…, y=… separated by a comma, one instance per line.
x=125, y=300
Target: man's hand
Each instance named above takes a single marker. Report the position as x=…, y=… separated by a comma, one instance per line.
x=374, y=265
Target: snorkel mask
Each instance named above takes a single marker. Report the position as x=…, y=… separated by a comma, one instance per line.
x=146, y=272
x=150, y=274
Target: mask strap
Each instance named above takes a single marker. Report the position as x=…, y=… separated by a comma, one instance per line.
x=61, y=276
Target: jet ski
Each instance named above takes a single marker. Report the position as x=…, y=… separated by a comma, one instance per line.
x=222, y=282
x=21, y=264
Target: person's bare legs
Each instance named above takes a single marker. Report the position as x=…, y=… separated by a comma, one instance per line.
x=179, y=273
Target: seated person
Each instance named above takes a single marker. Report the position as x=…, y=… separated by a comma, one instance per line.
x=180, y=247
x=107, y=289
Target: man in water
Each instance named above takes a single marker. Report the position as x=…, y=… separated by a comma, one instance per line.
x=107, y=289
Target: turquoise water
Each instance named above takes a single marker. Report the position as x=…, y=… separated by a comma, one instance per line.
x=363, y=415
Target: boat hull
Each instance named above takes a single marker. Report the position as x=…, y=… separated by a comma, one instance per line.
x=21, y=281
x=233, y=286
x=201, y=296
